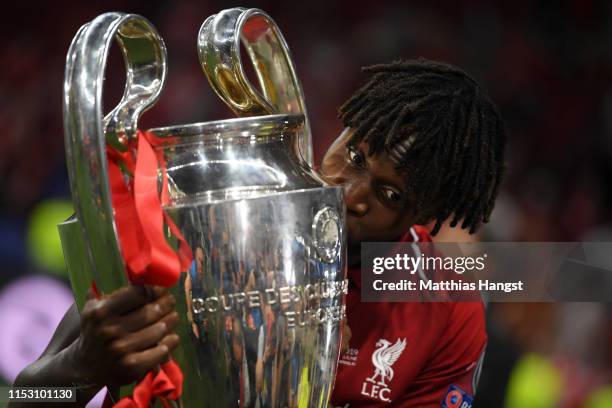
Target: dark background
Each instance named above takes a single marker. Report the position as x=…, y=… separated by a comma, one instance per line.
x=547, y=65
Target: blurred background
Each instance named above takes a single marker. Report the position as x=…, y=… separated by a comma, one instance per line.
x=547, y=65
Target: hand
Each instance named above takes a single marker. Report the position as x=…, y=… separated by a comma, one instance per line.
x=346, y=337
x=124, y=335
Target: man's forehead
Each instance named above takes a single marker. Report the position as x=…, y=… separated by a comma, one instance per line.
x=383, y=162
x=383, y=156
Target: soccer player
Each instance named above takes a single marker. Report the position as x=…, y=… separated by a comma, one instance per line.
x=422, y=143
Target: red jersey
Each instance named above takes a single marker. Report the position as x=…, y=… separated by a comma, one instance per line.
x=410, y=354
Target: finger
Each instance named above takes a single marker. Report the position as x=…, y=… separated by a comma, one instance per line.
x=129, y=298
x=117, y=303
x=145, y=338
x=142, y=317
x=172, y=341
x=156, y=291
x=137, y=364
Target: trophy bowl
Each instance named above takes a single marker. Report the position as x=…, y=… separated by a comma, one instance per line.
x=263, y=299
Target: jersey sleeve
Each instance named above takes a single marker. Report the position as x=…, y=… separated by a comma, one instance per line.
x=451, y=377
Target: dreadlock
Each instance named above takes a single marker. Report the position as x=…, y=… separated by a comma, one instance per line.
x=433, y=119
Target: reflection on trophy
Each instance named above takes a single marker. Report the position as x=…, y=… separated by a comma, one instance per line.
x=262, y=299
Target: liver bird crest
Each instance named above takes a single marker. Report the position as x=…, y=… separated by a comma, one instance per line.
x=384, y=357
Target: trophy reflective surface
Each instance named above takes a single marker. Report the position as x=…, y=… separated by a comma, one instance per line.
x=262, y=301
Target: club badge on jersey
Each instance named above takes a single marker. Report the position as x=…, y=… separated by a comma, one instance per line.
x=386, y=354
x=457, y=398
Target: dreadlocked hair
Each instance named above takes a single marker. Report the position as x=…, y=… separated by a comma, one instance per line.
x=434, y=120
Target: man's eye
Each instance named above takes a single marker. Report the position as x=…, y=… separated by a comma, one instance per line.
x=355, y=157
x=392, y=195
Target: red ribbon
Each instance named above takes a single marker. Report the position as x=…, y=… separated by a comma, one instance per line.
x=140, y=219
x=167, y=383
x=148, y=257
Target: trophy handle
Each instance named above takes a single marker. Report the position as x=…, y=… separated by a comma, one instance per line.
x=87, y=133
x=219, y=52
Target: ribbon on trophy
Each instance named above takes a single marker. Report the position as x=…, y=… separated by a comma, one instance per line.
x=149, y=258
x=166, y=383
x=138, y=215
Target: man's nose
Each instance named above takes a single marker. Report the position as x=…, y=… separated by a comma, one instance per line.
x=356, y=197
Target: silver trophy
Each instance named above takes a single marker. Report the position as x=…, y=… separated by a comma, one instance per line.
x=262, y=301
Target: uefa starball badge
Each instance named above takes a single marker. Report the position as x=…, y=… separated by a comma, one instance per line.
x=228, y=214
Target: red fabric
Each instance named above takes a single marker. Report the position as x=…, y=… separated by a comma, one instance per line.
x=149, y=259
x=140, y=219
x=94, y=290
x=444, y=344
x=166, y=383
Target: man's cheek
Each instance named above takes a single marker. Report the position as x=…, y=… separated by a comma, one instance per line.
x=383, y=231
x=373, y=232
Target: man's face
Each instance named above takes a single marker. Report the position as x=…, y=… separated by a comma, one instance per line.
x=374, y=191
